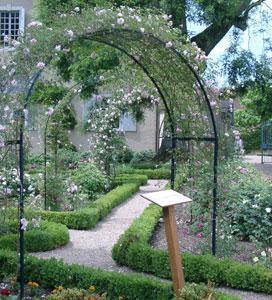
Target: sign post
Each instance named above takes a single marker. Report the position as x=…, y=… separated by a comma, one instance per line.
x=167, y=200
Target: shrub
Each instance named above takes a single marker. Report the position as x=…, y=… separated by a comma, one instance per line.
x=90, y=180
x=160, y=173
x=130, y=178
x=46, y=237
x=133, y=250
x=143, y=156
x=87, y=218
x=248, y=123
x=107, y=202
x=201, y=292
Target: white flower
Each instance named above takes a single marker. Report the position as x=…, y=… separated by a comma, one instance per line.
x=70, y=33
x=268, y=210
x=213, y=103
x=34, y=24
x=263, y=254
x=36, y=223
x=226, y=134
x=2, y=127
x=120, y=21
x=33, y=41
x=255, y=259
x=40, y=65
x=77, y=9
x=169, y=44
x=58, y=48
x=24, y=223
x=255, y=206
x=72, y=188
x=142, y=29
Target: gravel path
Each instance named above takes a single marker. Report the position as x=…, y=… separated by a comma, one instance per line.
x=245, y=295
x=93, y=247
x=256, y=161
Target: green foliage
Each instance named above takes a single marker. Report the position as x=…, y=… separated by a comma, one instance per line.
x=74, y=294
x=52, y=273
x=46, y=9
x=130, y=178
x=248, y=124
x=246, y=196
x=87, y=218
x=46, y=237
x=121, y=153
x=133, y=250
x=90, y=180
x=79, y=66
x=201, y=292
x=160, y=173
x=107, y=202
x=143, y=156
x=47, y=93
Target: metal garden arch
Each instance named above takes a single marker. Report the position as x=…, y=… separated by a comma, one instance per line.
x=170, y=63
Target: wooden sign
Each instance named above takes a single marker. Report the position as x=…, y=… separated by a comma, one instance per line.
x=167, y=200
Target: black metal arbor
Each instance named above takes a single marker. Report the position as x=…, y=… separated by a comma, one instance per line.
x=266, y=140
x=185, y=105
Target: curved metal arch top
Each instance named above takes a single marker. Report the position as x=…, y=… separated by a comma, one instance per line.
x=166, y=68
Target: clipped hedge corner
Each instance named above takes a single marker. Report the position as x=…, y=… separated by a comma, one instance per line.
x=87, y=218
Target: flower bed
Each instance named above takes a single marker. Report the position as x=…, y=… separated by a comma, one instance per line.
x=133, y=250
x=46, y=236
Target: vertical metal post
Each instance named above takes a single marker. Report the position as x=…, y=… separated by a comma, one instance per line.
x=214, y=211
x=173, y=162
x=45, y=171
x=21, y=201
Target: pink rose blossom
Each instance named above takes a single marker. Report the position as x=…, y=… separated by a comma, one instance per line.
x=200, y=235
x=40, y=65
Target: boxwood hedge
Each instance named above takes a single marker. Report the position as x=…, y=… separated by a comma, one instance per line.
x=52, y=273
x=87, y=218
x=133, y=250
x=160, y=173
x=46, y=237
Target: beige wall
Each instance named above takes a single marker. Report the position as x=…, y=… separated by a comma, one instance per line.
x=144, y=138
x=14, y=4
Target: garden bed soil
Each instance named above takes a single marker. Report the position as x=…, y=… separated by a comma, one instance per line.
x=243, y=252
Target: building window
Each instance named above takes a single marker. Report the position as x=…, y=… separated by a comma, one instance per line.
x=127, y=123
x=11, y=25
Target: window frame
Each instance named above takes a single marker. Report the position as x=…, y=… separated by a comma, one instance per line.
x=11, y=8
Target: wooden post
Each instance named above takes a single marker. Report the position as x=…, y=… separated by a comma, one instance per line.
x=167, y=200
x=173, y=248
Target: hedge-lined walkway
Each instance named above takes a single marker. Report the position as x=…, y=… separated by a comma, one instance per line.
x=93, y=247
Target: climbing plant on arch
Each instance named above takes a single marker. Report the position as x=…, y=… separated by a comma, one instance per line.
x=169, y=65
